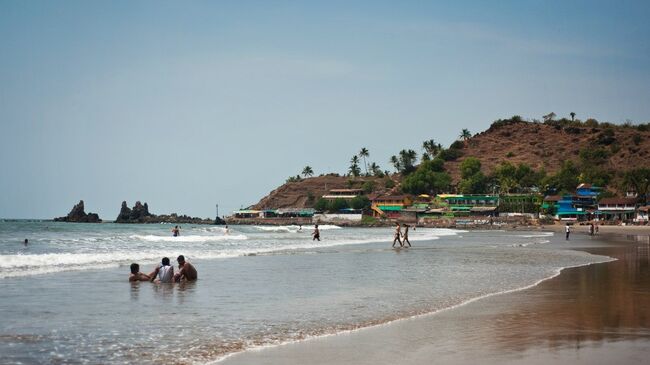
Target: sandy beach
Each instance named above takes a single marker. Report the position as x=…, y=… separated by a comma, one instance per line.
x=595, y=314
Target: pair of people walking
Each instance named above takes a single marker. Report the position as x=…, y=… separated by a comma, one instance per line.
x=402, y=238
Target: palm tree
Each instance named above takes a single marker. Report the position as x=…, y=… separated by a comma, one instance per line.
x=364, y=153
x=376, y=170
x=465, y=134
x=573, y=116
x=395, y=161
x=431, y=148
x=307, y=171
x=354, y=166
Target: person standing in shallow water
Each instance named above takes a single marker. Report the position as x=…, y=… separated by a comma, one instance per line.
x=176, y=231
x=405, y=236
x=316, y=233
x=567, y=229
x=398, y=234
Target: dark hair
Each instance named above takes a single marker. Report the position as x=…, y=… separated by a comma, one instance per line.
x=180, y=258
x=135, y=268
x=165, y=261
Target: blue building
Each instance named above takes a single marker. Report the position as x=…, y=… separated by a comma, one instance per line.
x=580, y=206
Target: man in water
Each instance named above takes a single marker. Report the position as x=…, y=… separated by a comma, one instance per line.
x=316, y=233
x=398, y=234
x=186, y=271
x=164, y=271
x=136, y=275
x=405, y=236
x=176, y=231
x=26, y=242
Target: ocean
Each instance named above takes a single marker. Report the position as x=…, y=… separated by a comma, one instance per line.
x=66, y=296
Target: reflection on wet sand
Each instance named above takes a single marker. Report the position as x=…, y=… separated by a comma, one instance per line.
x=592, y=314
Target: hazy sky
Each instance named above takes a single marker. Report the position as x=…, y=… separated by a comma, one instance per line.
x=188, y=104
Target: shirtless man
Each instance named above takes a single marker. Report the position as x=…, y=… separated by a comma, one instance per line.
x=398, y=235
x=316, y=233
x=136, y=275
x=186, y=271
x=405, y=236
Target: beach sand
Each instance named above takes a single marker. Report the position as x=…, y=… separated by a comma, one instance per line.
x=595, y=314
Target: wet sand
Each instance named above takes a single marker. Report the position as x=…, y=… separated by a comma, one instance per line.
x=596, y=314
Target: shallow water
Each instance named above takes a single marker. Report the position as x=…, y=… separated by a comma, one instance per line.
x=66, y=296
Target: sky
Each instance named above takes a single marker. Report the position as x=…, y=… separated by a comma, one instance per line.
x=186, y=105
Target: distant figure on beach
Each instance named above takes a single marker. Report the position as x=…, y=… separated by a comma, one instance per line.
x=596, y=228
x=567, y=229
x=176, y=231
x=398, y=235
x=136, y=275
x=164, y=271
x=405, y=235
x=316, y=233
x=227, y=231
x=186, y=271
x=591, y=229
x=300, y=228
x=26, y=242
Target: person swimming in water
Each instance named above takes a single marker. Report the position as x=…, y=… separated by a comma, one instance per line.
x=136, y=275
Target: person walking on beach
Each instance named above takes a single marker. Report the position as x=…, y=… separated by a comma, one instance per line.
x=596, y=228
x=186, y=271
x=405, y=236
x=567, y=229
x=136, y=275
x=164, y=271
x=316, y=233
x=398, y=234
x=591, y=229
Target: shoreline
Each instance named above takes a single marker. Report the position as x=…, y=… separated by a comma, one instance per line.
x=323, y=348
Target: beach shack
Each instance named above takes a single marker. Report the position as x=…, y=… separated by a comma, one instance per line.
x=642, y=214
x=616, y=209
x=471, y=204
x=520, y=204
x=389, y=205
x=549, y=204
x=248, y=213
x=579, y=206
x=343, y=194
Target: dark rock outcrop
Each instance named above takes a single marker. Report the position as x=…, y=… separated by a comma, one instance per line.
x=140, y=214
x=77, y=214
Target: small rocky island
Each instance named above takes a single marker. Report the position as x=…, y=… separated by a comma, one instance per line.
x=78, y=215
x=140, y=214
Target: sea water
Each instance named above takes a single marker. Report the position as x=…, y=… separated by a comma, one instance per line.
x=65, y=297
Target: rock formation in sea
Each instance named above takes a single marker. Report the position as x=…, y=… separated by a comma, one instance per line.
x=140, y=214
x=77, y=214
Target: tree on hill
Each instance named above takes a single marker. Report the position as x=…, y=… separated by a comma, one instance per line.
x=428, y=178
x=363, y=154
x=431, y=148
x=396, y=163
x=307, y=171
x=354, y=166
x=376, y=170
x=472, y=179
x=573, y=116
x=639, y=180
x=465, y=134
x=549, y=117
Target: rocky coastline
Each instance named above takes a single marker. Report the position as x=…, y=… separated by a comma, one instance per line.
x=140, y=214
x=78, y=215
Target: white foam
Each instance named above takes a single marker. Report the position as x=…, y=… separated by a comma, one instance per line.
x=190, y=238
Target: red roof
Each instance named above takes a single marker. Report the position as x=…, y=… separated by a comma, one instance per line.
x=617, y=201
x=552, y=198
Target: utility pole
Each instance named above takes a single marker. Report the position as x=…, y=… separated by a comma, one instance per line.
x=217, y=210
